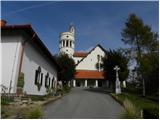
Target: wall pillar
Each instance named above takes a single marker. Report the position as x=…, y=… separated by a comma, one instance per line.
x=96, y=83
x=74, y=83
x=85, y=85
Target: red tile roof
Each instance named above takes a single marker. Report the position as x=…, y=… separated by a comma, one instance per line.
x=80, y=54
x=88, y=74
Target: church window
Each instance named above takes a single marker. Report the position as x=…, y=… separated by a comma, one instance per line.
x=67, y=36
x=41, y=78
x=37, y=75
x=53, y=82
x=98, y=57
x=70, y=43
x=67, y=44
x=47, y=80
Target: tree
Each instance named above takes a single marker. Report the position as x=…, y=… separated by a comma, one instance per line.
x=115, y=58
x=140, y=37
x=68, y=68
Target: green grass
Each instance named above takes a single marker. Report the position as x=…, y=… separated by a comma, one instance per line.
x=139, y=102
x=37, y=98
x=34, y=112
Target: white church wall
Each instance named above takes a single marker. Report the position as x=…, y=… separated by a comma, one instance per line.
x=89, y=63
x=76, y=59
x=11, y=46
x=31, y=61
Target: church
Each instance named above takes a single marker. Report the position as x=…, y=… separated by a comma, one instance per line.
x=25, y=55
x=89, y=72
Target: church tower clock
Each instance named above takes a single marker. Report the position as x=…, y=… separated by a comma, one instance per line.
x=67, y=41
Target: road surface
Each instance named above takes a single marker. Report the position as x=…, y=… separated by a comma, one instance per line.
x=82, y=103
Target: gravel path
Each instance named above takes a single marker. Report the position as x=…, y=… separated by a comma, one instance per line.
x=81, y=103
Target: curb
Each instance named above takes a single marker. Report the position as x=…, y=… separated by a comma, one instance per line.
x=51, y=100
x=121, y=103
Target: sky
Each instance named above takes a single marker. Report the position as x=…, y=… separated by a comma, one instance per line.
x=95, y=22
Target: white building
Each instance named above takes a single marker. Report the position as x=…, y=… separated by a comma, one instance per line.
x=24, y=53
x=88, y=70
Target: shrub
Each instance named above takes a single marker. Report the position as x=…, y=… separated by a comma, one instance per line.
x=66, y=88
x=5, y=100
x=151, y=113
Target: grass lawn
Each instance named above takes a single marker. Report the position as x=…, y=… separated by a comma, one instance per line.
x=139, y=102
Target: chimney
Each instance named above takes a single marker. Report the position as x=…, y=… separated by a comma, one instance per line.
x=3, y=23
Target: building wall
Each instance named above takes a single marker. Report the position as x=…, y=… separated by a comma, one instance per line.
x=32, y=59
x=89, y=63
x=11, y=46
x=76, y=59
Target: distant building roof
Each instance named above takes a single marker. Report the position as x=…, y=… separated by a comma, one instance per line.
x=80, y=54
x=89, y=74
x=36, y=41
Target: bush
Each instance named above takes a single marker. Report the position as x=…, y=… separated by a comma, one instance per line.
x=152, y=113
x=66, y=88
x=5, y=100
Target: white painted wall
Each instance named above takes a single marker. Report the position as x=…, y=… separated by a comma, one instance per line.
x=76, y=59
x=90, y=61
x=31, y=60
x=64, y=37
x=11, y=46
x=11, y=52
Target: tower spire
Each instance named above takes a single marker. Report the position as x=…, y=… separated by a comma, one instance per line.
x=72, y=28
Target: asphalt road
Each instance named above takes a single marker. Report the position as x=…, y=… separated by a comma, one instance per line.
x=81, y=103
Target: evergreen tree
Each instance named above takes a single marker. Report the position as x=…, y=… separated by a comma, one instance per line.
x=143, y=41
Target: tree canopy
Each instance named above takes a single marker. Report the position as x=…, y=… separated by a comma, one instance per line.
x=144, y=43
x=67, y=68
x=115, y=58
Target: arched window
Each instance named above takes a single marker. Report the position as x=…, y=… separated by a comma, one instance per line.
x=98, y=57
x=37, y=76
x=70, y=43
x=47, y=80
x=53, y=82
x=67, y=43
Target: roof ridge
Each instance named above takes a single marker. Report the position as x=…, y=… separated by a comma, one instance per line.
x=90, y=52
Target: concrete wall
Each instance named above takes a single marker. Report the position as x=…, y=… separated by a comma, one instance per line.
x=89, y=63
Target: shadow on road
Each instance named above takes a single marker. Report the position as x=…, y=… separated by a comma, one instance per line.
x=99, y=90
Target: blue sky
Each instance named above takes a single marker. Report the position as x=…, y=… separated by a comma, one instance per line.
x=95, y=22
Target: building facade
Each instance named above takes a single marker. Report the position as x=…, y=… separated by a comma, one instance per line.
x=89, y=72
x=24, y=53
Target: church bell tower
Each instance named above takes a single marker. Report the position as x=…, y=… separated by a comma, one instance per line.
x=67, y=41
